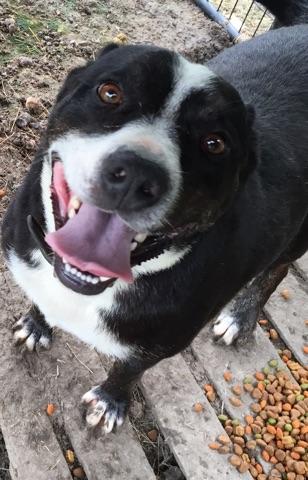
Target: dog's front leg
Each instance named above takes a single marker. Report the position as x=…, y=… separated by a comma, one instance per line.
x=33, y=330
x=108, y=404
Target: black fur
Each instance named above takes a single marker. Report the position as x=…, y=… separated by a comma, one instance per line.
x=249, y=207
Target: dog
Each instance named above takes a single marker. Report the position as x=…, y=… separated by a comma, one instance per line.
x=164, y=194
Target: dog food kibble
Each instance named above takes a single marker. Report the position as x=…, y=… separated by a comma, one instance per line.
x=198, y=407
x=263, y=322
x=285, y=294
x=305, y=349
x=2, y=193
x=236, y=402
x=214, y=446
x=78, y=472
x=276, y=431
x=273, y=334
x=237, y=390
x=228, y=376
x=69, y=455
x=152, y=435
x=50, y=410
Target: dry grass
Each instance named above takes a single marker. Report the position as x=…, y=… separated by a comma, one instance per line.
x=253, y=19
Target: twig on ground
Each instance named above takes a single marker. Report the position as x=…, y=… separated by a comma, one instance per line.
x=78, y=359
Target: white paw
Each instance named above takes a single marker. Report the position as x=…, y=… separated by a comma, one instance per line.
x=26, y=332
x=100, y=410
x=226, y=328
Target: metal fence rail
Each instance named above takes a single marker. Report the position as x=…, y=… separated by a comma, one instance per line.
x=242, y=18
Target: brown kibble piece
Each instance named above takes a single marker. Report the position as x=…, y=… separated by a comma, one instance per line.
x=78, y=472
x=214, y=446
x=273, y=334
x=300, y=468
x=237, y=390
x=69, y=455
x=285, y=294
x=208, y=387
x=228, y=376
x=198, y=407
x=263, y=321
x=239, y=431
x=224, y=439
x=237, y=449
x=243, y=467
x=211, y=396
x=249, y=419
x=224, y=449
x=235, y=402
x=152, y=435
x=265, y=456
x=51, y=408
x=2, y=193
x=235, y=460
x=305, y=347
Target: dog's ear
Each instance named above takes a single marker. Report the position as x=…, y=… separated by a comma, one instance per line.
x=106, y=49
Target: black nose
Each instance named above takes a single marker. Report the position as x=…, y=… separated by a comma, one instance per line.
x=131, y=183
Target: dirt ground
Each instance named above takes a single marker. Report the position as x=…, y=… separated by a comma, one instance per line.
x=40, y=41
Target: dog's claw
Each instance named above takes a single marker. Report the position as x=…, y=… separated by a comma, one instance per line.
x=32, y=334
x=103, y=410
x=226, y=328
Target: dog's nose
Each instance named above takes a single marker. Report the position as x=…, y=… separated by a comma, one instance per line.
x=131, y=183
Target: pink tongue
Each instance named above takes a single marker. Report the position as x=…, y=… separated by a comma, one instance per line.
x=96, y=242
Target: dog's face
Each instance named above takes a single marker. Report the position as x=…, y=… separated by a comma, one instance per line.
x=145, y=148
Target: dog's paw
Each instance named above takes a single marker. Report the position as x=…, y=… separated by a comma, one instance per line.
x=226, y=328
x=31, y=333
x=103, y=409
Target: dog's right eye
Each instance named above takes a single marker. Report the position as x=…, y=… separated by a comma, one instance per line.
x=110, y=93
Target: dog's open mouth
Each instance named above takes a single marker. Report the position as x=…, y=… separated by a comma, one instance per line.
x=91, y=248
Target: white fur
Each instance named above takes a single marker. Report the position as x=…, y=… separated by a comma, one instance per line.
x=189, y=77
x=226, y=326
x=79, y=314
x=46, y=197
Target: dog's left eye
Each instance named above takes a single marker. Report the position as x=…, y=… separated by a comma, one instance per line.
x=110, y=93
x=213, y=143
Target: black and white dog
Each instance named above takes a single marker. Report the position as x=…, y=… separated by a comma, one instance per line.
x=164, y=193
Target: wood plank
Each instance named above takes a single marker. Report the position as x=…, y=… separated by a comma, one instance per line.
x=32, y=446
x=172, y=391
x=288, y=316
x=114, y=456
x=302, y=265
x=59, y=377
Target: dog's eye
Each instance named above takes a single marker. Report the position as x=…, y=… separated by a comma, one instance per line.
x=213, y=144
x=110, y=93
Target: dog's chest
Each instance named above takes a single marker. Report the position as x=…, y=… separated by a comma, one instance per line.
x=78, y=314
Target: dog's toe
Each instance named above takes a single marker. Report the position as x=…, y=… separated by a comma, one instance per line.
x=103, y=410
x=226, y=328
x=32, y=334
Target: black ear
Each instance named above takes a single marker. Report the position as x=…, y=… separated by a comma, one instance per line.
x=106, y=49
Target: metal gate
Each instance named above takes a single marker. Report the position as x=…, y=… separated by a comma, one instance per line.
x=242, y=18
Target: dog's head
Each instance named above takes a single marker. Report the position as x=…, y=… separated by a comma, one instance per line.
x=145, y=149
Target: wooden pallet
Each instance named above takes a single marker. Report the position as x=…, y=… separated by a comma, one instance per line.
x=30, y=381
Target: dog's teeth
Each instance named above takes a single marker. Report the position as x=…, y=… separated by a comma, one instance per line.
x=103, y=279
x=79, y=274
x=83, y=277
x=140, y=237
x=67, y=267
x=71, y=213
x=133, y=246
x=74, y=270
x=95, y=280
x=75, y=202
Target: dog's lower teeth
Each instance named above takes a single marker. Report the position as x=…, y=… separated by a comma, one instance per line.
x=133, y=246
x=140, y=237
x=74, y=270
x=103, y=279
x=75, y=202
x=77, y=273
x=71, y=213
